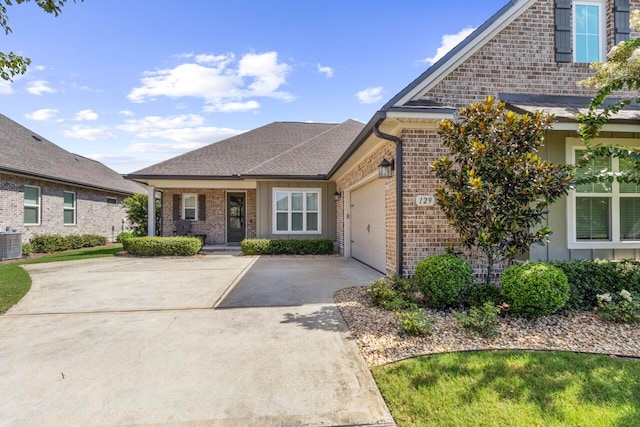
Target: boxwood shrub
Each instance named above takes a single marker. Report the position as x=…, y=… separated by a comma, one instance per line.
x=444, y=280
x=588, y=278
x=534, y=289
x=48, y=243
x=162, y=246
x=287, y=247
x=124, y=235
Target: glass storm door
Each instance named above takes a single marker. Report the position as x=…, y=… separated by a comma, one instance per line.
x=236, y=231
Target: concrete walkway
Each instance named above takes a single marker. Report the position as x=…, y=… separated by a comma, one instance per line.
x=125, y=341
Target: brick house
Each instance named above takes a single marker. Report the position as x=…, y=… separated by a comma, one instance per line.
x=530, y=54
x=45, y=189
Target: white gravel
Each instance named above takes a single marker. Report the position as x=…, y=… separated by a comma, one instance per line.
x=381, y=341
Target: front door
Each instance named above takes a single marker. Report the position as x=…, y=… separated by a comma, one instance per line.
x=236, y=230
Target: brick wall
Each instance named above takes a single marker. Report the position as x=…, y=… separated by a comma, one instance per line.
x=214, y=226
x=93, y=215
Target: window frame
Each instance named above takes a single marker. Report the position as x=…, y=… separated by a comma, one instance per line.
x=38, y=205
x=573, y=145
x=184, y=207
x=74, y=208
x=602, y=28
x=112, y=198
x=304, y=211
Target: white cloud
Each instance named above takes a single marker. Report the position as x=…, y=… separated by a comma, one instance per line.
x=370, y=95
x=39, y=68
x=232, y=107
x=38, y=87
x=150, y=123
x=86, y=115
x=327, y=71
x=5, y=87
x=88, y=133
x=218, y=80
x=127, y=113
x=42, y=114
x=448, y=42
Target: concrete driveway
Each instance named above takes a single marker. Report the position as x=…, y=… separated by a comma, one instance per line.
x=125, y=341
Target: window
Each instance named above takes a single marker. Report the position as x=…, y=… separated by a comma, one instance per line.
x=296, y=211
x=190, y=206
x=605, y=214
x=69, y=208
x=589, y=31
x=31, y=204
x=112, y=201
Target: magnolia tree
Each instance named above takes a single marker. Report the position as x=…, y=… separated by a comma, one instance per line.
x=136, y=207
x=621, y=71
x=496, y=189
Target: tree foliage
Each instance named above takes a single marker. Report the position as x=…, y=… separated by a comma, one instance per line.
x=496, y=188
x=12, y=64
x=136, y=207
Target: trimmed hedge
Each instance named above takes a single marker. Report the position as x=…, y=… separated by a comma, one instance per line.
x=124, y=235
x=162, y=246
x=287, y=247
x=534, y=289
x=444, y=280
x=48, y=243
x=588, y=278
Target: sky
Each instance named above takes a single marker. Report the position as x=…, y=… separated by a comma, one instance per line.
x=134, y=82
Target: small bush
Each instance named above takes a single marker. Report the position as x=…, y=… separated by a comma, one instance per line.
x=482, y=320
x=92, y=240
x=287, y=247
x=623, y=307
x=124, y=235
x=48, y=243
x=415, y=322
x=484, y=292
x=74, y=241
x=588, y=278
x=163, y=246
x=27, y=249
x=534, y=289
x=444, y=280
x=392, y=293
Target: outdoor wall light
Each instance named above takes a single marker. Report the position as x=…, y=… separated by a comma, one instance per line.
x=385, y=168
x=336, y=196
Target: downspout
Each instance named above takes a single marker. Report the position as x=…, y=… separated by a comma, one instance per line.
x=398, y=166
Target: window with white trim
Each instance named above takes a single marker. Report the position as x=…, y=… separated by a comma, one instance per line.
x=604, y=214
x=69, y=210
x=589, y=38
x=31, y=205
x=190, y=206
x=113, y=201
x=297, y=211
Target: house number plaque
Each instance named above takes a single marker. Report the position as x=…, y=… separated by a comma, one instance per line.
x=426, y=200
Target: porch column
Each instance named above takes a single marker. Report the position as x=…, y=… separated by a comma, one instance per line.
x=151, y=212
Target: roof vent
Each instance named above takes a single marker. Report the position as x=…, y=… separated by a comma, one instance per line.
x=37, y=138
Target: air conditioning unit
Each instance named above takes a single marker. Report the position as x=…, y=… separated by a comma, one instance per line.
x=10, y=246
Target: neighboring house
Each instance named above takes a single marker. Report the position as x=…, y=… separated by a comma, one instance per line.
x=530, y=54
x=47, y=190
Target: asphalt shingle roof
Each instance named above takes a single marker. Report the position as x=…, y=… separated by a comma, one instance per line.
x=277, y=149
x=25, y=152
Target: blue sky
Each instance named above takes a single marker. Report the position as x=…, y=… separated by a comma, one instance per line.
x=135, y=82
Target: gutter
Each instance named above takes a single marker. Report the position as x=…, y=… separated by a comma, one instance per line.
x=398, y=162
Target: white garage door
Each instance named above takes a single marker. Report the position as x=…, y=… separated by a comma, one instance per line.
x=368, y=224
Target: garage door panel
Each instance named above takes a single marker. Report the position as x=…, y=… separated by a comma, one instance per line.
x=368, y=231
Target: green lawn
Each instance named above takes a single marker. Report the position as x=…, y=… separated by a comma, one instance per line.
x=15, y=282
x=511, y=388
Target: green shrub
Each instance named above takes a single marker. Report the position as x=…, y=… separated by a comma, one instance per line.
x=74, y=241
x=392, y=293
x=482, y=320
x=48, y=243
x=27, y=249
x=534, y=289
x=163, y=246
x=92, y=240
x=444, y=280
x=588, y=278
x=124, y=235
x=485, y=292
x=287, y=247
x=415, y=322
x=623, y=307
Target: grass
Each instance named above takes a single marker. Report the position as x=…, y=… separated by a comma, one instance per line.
x=511, y=388
x=15, y=281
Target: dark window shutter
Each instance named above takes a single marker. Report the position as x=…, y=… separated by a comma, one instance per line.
x=202, y=207
x=564, y=50
x=621, y=10
x=176, y=207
